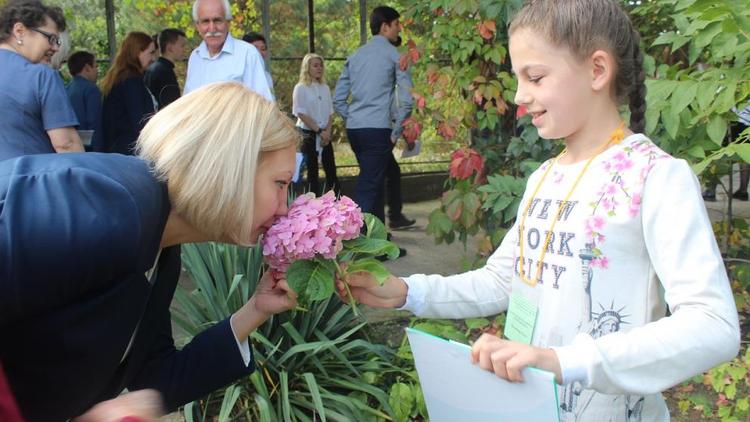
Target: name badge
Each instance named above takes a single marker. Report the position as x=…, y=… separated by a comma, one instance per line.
x=521, y=320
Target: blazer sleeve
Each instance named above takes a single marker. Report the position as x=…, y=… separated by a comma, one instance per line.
x=210, y=361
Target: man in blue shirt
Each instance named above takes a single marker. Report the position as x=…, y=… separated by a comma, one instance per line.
x=221, y=57
x=82, y=91
x=371, y=76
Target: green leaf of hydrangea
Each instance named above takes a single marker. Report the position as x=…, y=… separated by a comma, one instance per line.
x=372, y=266
x=312, y=280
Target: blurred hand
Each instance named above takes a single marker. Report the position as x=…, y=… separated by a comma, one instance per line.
x=273, y=295
x=141, y=405
x=325, y=137
x=508, y=358
x=366, y=290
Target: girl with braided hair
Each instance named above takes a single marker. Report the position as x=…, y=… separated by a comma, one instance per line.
x=611, y=275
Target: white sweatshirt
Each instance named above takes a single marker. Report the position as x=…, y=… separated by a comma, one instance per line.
x=636, y=232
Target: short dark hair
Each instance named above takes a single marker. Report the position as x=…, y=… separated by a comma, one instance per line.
x=382, y=15
x=31, y=13
x=78, y=60
x=251, y=37
x=169, y=36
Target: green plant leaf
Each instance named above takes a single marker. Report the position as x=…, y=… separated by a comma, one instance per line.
x=372, y=266
x=717, y=129
x=312, y=386
x=312, y=280
x=371, y=247
x=375, y=227
x=401, y=400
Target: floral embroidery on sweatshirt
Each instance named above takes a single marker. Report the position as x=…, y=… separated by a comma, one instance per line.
x=621, y=192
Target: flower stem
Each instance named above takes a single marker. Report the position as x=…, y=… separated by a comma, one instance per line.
x=352, y=302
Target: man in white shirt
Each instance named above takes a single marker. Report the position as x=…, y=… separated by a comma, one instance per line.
x=221, y=57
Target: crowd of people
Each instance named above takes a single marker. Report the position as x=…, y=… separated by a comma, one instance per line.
x=628, y=297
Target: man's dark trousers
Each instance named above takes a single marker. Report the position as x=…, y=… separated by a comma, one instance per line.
x=373, y=149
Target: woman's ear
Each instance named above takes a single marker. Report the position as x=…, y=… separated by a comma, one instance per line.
x=602, y=69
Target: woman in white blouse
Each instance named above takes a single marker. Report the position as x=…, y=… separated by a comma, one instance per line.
x=312, y=105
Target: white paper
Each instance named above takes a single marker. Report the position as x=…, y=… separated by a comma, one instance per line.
x=406, y=152
x=457, y=390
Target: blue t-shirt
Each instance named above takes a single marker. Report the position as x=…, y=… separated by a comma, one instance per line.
x=86, y=101
x=32, y=101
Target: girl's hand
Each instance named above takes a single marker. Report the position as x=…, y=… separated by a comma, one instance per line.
x=507, y=358
x=366, y=290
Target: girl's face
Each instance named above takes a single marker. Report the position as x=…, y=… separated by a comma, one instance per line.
x=316, y=69
x=554, y=86
x=271, y=187
x=147, y=56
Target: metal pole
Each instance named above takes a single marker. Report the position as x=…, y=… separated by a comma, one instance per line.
x=109, y=10
x=362, y=22
x=310, y=27
x=266, y=19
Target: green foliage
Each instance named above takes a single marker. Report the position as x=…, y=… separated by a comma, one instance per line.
x=311, y=364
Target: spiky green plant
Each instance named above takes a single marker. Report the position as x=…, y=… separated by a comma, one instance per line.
x=310, y=365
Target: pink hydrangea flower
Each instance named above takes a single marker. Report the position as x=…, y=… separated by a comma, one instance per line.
x=313, y=226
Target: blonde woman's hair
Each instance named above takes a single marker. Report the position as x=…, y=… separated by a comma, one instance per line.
x=207, y=146
x=304, y=73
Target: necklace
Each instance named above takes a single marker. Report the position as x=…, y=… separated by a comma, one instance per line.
x=615, y=137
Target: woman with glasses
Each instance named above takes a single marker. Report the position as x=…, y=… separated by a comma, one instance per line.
x=128, y=104
x=37, y=117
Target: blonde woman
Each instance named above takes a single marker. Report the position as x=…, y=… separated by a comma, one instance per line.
x=312, y=105
x=92, y=254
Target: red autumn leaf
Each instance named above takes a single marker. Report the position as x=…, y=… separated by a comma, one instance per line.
x=439, y=11
x=413, y=54
x=464, y=162
x=446, y=131
x=521, y=111
x=487, y=29
x=419, y=100
x=432, y=77
x=403, y=62
x=412, y=129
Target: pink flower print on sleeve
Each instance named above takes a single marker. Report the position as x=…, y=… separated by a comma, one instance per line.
x=627, y=170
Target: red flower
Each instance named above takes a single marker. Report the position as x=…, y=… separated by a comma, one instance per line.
x=465, y=162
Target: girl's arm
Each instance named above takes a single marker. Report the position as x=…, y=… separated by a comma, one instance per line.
x=703, y=329
x=476, y=293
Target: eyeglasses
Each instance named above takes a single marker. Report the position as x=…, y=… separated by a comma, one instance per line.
x=53, y=39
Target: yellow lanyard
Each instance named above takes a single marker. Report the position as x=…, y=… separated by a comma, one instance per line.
x=615, y=137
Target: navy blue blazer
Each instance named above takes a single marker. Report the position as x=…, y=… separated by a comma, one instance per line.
x=77, y=234
x=125, y=111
